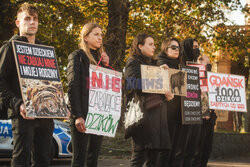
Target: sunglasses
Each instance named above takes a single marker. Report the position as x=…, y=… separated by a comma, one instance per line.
x=174, y=47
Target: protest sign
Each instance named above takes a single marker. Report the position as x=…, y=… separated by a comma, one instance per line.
x=203, y=86
x=104, y=101
x=226, y=92
x=191, y=104
x=202, y=74
x=39, y=79
x=157, y=80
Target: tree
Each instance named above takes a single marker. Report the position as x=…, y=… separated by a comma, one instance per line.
x=61, y=22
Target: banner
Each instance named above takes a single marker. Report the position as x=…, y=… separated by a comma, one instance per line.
x=191, y=104
x=227, y=92
x=39, y=79
x=104, y=101
x=157, y=80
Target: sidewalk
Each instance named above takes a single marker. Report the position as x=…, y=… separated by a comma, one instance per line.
x=228, y=162
x=243, y=161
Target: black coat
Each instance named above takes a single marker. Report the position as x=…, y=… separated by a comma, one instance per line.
x=10, y=92
x=174, y=105
x=152, y=130
x=77, y=75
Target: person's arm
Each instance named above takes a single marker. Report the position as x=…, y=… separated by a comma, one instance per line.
x=133, y=76
x=74, y=84
x=9, y=98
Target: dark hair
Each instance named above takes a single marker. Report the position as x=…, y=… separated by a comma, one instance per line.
x=166, y=43
x=138, y=40
x=26, y=7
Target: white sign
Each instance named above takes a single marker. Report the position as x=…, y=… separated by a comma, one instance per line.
x=227, y=92
x=104, y=101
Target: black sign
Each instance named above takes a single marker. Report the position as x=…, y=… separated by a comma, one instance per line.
x=36, y=61
x=39, y=79
x=191, y=104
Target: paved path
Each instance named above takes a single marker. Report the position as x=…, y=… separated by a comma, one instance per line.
x=232, y=162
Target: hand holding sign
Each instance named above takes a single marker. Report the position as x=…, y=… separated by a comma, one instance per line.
x=164, y=66
x=23, y=112
x=169, y=96
x=80, y=124
x=105, y=59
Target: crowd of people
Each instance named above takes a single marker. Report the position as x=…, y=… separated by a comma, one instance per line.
x=159, y=139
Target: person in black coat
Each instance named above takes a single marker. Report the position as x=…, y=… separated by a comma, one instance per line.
x=149, y=130
x=78, y=75
x=170, y=55
x=207, y=128
x=190, y=52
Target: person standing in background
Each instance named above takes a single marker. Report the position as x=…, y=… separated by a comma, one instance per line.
x=149, y=133
x=190, y=52
x=90, y=52
x=209, y=120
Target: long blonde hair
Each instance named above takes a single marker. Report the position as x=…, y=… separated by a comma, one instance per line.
x=87, y=28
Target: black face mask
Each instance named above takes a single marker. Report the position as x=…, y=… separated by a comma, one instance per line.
x=196, y=53
x=209, y=67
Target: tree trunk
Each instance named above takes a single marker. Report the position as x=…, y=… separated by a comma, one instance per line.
x=115, y=40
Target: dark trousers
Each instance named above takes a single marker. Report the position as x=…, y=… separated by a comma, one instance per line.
x=35, y=133
x=193, y=147
x=178, y=134
x=207, y=134
x=81, y=142
x=144, y=157
x=164, y=158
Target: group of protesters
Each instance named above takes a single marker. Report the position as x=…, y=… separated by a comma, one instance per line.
x=158, y=138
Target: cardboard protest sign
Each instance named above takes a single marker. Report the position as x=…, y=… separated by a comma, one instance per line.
x=191, y=104
x=104, y=101
x=227, y=92
x=157, y=80
x=39, y=79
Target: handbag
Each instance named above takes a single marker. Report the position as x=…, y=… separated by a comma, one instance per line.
x=152, y=101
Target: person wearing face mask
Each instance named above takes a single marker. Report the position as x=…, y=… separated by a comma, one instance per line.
x=209, y=119
x=150, y=133
x=170, y=56
x=190, y=52
x=90, y=52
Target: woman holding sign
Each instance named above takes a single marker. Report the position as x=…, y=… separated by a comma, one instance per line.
x=170, y=57
x=78, y=75
x=149, y=131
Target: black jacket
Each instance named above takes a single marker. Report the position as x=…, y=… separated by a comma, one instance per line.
x=152, y=130
x=10, y=93
x=77, y=75
x=174, y=105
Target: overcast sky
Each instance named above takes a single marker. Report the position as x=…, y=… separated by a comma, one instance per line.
x=238, y=16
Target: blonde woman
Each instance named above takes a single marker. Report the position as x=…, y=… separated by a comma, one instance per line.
x=89, y=52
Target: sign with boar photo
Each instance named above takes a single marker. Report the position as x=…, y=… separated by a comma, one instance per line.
x=227, y=92
x=191, y=104
x=39, y=79
x=104, y=110
x=158, y=80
